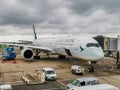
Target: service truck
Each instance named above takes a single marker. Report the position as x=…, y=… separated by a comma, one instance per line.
x=76, y=69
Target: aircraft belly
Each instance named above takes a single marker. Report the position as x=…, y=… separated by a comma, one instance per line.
x=79, y=55
x=60, y=51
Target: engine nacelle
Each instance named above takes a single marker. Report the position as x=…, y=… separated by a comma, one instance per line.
x=27, y=53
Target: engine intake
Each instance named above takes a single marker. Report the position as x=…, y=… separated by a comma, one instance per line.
x=27, y=53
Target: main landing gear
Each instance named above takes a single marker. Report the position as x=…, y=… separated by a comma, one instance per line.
x=61, y=57
x=91, y=68
x=36, y=55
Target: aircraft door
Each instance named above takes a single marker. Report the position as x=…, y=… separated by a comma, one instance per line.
x=68, y=52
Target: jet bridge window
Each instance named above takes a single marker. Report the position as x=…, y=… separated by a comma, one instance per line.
x=92, y=45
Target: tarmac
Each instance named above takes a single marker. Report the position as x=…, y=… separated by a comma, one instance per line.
x=48, y=85
x=10, y=73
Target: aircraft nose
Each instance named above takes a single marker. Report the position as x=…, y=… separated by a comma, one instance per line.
x=97, y=54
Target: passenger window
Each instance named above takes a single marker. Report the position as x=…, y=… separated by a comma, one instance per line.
x=82, y=83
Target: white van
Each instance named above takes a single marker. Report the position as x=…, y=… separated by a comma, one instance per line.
x=97, y=87
x=50, y=74
x=6, y=87
x=82, y=82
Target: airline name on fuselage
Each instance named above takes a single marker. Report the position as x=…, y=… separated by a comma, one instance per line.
x=65, y=41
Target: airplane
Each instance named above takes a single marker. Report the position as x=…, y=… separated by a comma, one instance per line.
x=80, y=47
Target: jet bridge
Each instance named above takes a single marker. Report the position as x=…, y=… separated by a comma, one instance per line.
x=111, y=46
x=107, y=43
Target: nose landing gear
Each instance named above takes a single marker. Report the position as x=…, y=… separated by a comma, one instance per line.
x=91, y=68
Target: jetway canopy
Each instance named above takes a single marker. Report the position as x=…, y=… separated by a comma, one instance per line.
x=109, y=43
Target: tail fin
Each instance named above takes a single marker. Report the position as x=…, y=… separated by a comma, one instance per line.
x=35, y=35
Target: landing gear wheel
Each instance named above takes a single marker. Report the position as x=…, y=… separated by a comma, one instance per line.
x=61, y=57
x=37, y=57
x=91, y=69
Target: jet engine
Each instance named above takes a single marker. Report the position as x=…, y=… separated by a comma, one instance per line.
x=27, y=53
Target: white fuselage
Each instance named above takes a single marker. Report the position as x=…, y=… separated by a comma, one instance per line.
x=77, y=47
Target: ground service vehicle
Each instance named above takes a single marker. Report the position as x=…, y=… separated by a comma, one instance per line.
x=77, y=69
x=82, y=82
x=8, y=54
x=50, y=74
x=33, y=78
x=6, y=87
x=97, y=87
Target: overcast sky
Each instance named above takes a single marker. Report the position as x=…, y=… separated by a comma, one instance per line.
x=60, y=16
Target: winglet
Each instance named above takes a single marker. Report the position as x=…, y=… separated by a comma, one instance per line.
x=35, y=35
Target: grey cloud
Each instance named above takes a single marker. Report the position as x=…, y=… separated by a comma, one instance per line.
x=112, y=6
x=86, y=7
x=60, y=16
x=25, y=13
x=80, y=6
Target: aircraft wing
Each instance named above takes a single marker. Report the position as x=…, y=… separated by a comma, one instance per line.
x=28, y=46
x=26, y=42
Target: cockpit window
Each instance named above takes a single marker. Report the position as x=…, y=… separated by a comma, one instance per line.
x=92, y=45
